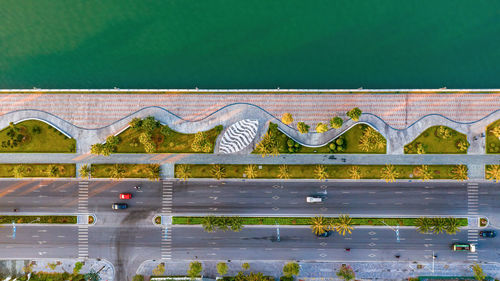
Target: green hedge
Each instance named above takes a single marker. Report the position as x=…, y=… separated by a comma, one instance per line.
x=42, y=219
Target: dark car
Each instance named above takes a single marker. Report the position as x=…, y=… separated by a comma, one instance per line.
x=488, y=233
x=326, y=233
x=118, y=206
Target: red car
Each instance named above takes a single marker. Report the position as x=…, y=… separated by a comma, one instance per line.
x=125, y=196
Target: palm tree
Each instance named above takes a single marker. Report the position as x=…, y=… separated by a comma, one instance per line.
x=424, y=173
x=182, y=171
x=451, y=225
x=218, y=171
x=319, y=225
x=438, y=225
x=85, y=171
x=355, y=172
x=389, y=173
x=459, y=172
x=209, y=223
x=320, y=172
x=52, y=171
x=117, y=171
x=19, y=171
x=153, y=171
x=424, y=225
x=493, y=172
x=284, y=173
x=236, y=224
x=343, y=225
x=251, y=171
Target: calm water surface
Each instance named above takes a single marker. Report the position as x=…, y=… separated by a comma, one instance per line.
x=249, y=44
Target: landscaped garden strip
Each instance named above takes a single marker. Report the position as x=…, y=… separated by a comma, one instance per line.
x=38, y=219
x=172, y=142
x=33, y=136
x=307, y=221
x=37, y=170
x=493, y=137
x=308, y=171
x=438, y=140
x=350, y=142
x=128, y=170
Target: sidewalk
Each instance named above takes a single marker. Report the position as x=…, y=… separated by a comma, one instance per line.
x=399, y=117
x=317, y=270
x=12, y=267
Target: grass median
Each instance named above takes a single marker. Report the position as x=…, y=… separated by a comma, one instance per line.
x=38, y=219
x=37, y=170
x=368, y=221
x=308, y=171
x=118, y=171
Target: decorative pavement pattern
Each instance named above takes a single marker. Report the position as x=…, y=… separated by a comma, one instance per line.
x=398, y=110
x=238, y=136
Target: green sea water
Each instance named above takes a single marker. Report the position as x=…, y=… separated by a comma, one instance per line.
x=249, y=44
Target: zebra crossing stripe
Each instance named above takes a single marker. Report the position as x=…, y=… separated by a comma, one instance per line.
x=238, y=136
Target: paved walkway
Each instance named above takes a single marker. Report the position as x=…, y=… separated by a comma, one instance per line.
x=317, y=270
x=105, y=268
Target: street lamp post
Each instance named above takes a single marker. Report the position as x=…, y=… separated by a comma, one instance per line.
x=277, y=231
x=396, y=230
x=433, y=258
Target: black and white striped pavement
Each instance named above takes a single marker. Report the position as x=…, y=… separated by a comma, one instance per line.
x=238, y=136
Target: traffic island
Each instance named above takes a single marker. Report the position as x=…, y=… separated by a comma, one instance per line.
x=30, y=170
x=321, y=172
x=365, y=221
x=21, y=219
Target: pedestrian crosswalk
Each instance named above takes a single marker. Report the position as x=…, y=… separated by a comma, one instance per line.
x=166, y=244
x=83, y=230
x=472, y=211
x=83, y=241
x=167, y=190
x=83, y=197
x=472, y=199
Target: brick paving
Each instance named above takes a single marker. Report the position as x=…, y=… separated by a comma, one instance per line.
x=398, y=110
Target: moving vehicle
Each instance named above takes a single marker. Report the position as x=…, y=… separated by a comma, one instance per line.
x=314, y=199
x=125, y=196
x=464, y=247
x=487, y=233
x=118, y=206
x=326, y=233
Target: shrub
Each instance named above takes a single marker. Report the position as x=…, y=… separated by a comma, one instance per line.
x=303, y=127
x=287, y=118
x=222, y=268
x=77, y=268
x=195, y=269
x=290, y=269
x=336, y=122
x=135, y=123
x=354, y=114
x=201, y=143
x=245, y=266
x=321, y=128
x=159, y=270
x=149, y=124
x=166, y=131
x=138, y=277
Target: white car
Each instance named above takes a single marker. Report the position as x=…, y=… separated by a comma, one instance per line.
x=314, y=199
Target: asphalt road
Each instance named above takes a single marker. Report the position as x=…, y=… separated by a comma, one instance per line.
x=127, y=237
x=366, y=198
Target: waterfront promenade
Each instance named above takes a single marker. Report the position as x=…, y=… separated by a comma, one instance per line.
x=399, y=110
